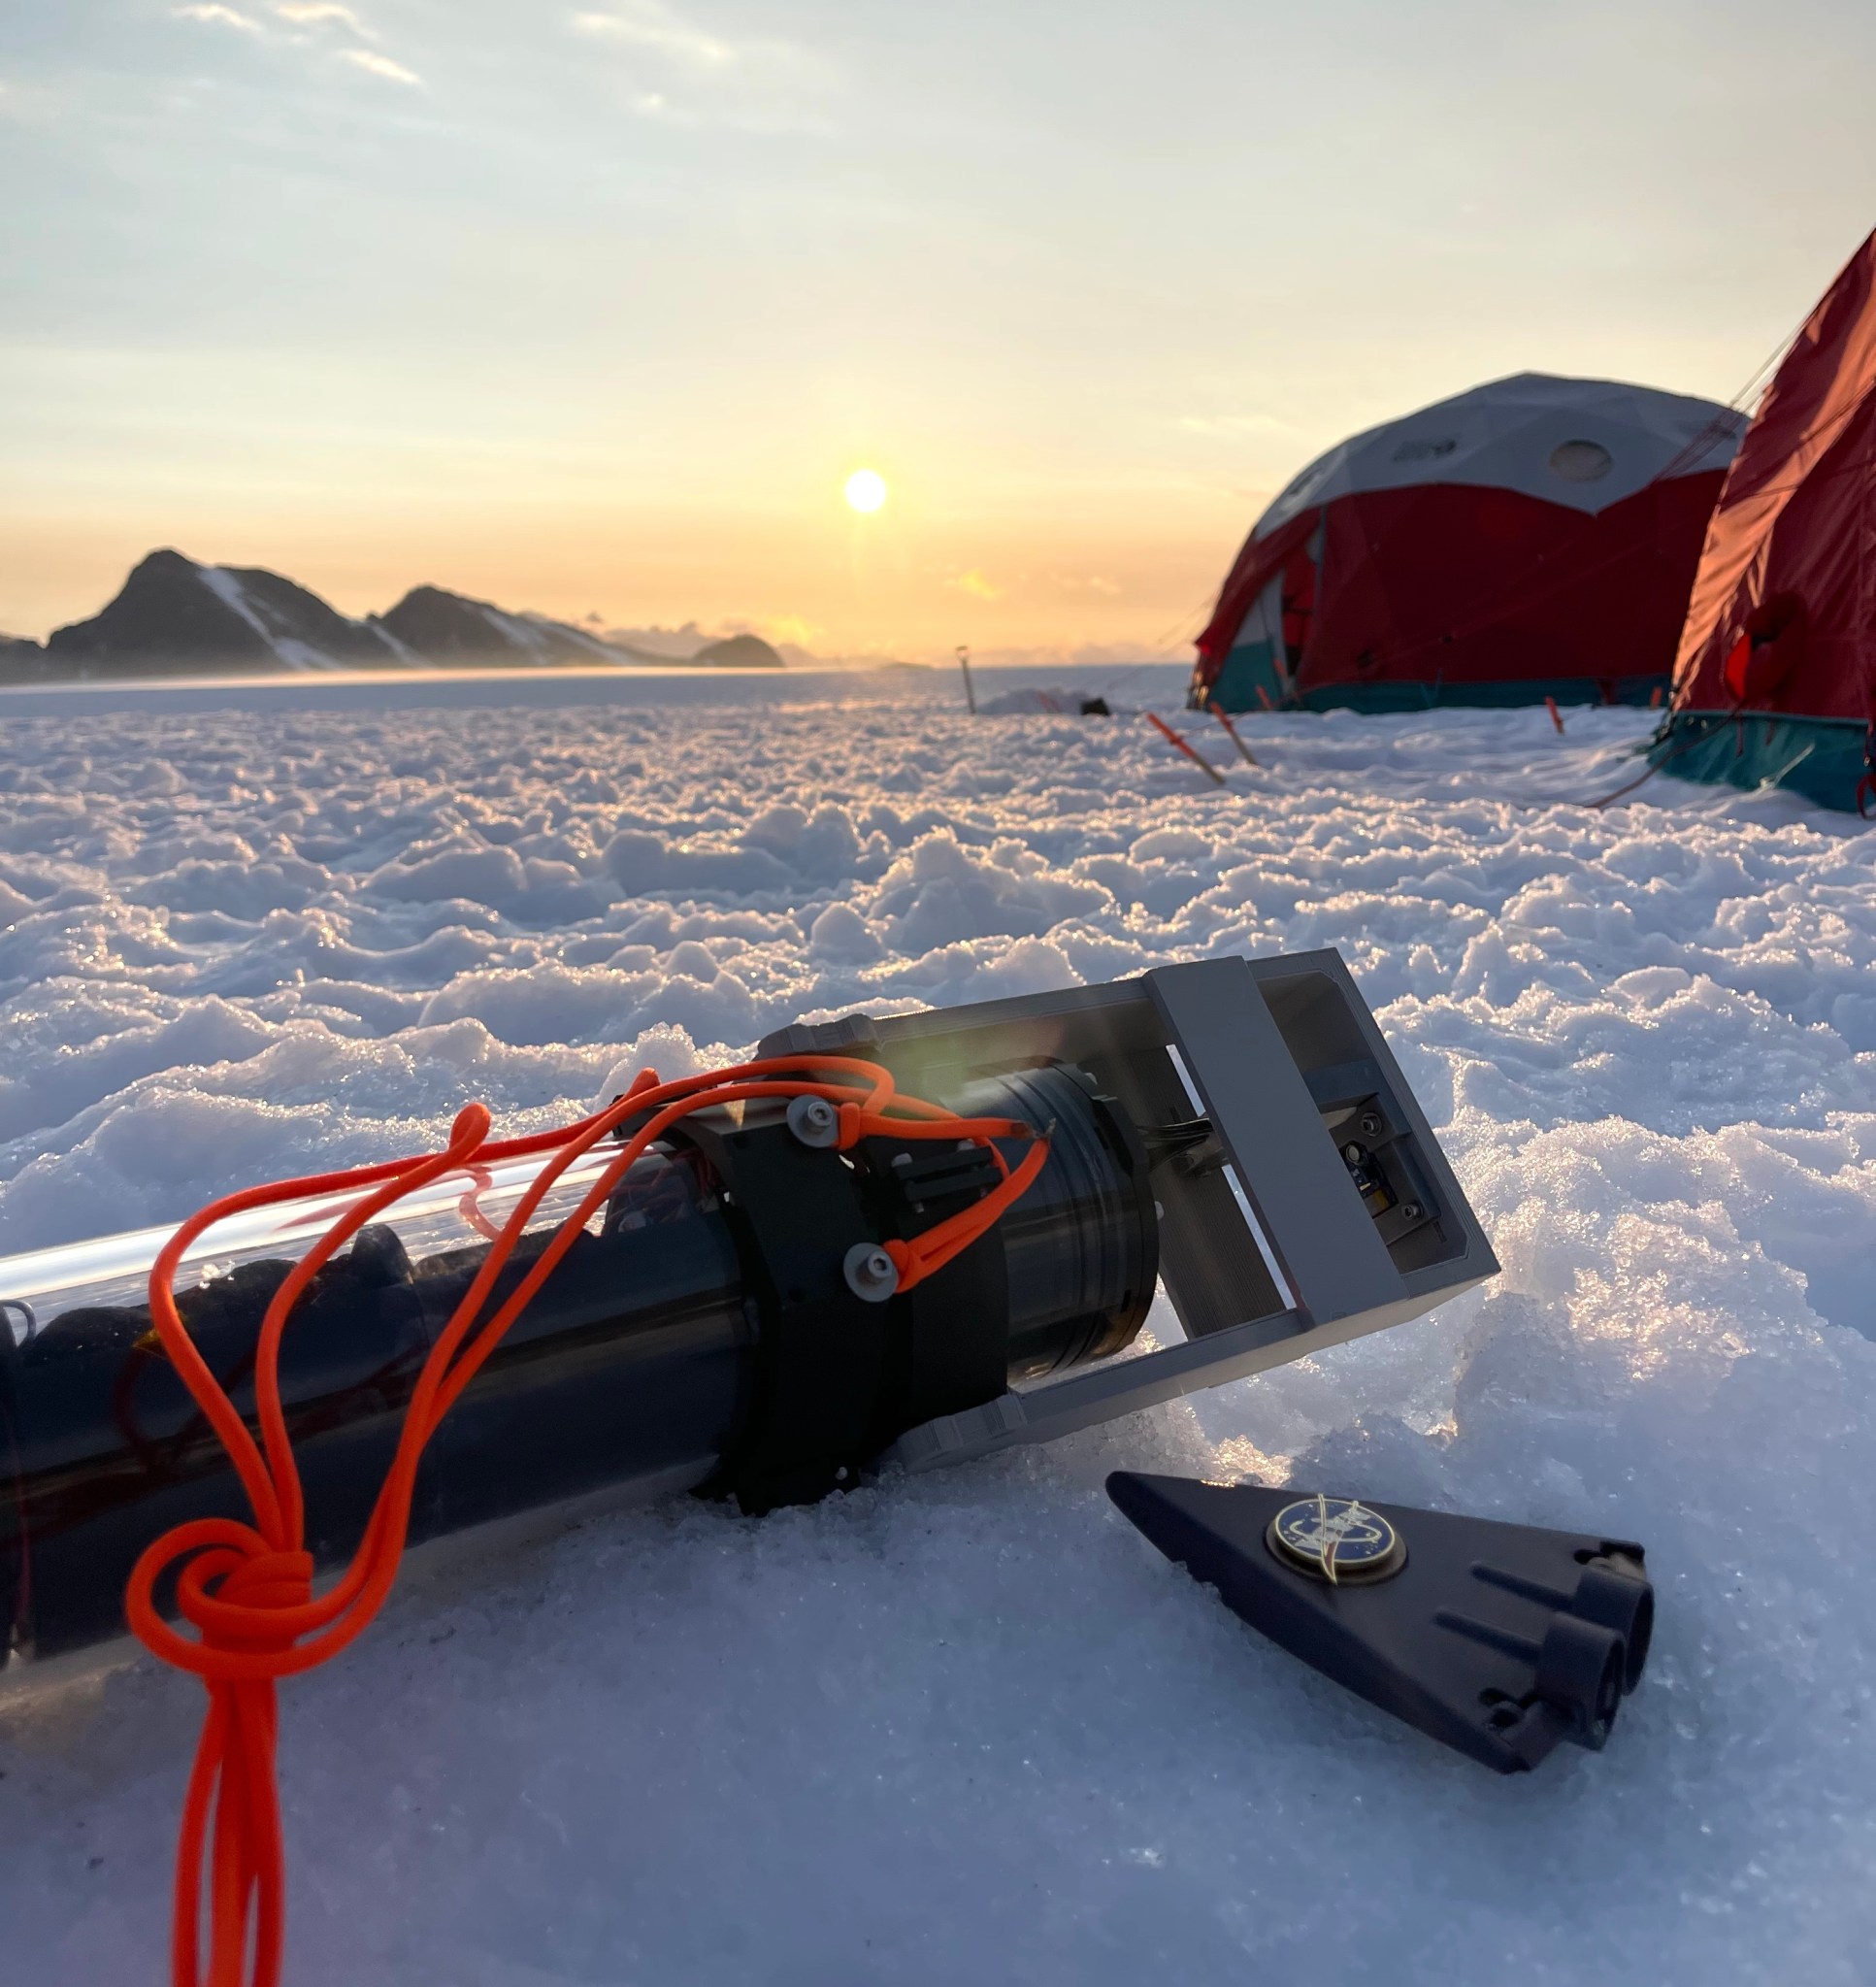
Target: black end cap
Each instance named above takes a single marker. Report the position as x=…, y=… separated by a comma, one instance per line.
x=1499, y=1641
x=852, y=1035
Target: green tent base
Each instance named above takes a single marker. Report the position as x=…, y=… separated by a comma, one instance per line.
x=1247, y=670
x=1251, y=669
x=1820, y=757
x=1375, y=699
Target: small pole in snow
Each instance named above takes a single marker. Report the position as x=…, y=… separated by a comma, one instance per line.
x=1555, y=715
x=963, y=663
x=1173, y=738
x=1244, y=751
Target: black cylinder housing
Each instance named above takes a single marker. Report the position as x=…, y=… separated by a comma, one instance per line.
x=700, y=1333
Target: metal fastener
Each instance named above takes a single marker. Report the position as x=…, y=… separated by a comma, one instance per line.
x=870, y=1273
x=815, y=1121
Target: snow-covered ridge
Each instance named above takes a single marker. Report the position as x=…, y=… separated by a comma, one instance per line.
x=174, y=614
x=443, y=627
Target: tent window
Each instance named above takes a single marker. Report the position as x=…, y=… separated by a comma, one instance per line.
x=1581, y=462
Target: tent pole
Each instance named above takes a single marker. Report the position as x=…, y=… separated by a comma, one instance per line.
x=963, y=663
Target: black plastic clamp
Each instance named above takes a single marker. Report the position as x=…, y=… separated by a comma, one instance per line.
x=840, y=1369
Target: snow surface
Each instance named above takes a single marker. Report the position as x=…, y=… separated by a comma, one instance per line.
x=968, y=1726
x=1052, y=700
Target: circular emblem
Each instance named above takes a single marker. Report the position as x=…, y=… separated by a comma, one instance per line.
x=1336, y=1538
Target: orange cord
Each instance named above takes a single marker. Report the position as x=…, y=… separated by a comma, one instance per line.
x=247, y=1588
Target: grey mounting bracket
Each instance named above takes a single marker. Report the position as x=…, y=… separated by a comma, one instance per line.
x=1290, y=1245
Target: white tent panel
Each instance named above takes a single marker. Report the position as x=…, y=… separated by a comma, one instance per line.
x=1586, y=443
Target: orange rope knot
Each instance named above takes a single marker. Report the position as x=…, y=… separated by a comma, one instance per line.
x=246, y=1589
x=241, y=1600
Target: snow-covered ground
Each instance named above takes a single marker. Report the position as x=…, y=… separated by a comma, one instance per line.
x=969, y=1727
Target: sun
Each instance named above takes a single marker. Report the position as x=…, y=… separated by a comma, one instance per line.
x=866, y=489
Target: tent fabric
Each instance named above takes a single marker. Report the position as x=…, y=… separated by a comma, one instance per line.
x=1455, y=589
x=1584, y=444
x=1256, y=671
x=1779, y=647
x=1383, y=698
x=1534, y=532
x=1822, y=759
x=1264, y=557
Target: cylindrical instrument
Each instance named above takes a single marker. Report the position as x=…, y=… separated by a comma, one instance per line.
x=637, y=1363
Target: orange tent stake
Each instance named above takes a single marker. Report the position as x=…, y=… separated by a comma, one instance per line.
x=1555, y=715
x=1173, y=738
x=1244, y=751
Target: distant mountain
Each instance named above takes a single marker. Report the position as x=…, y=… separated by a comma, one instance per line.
x=667, y=645
x=173, y=617
x=689, y=648
x=693, y=648
x=174, y=614
x=450, y=628
x=738, y=651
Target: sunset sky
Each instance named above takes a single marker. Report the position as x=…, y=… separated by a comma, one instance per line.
x=597, y=310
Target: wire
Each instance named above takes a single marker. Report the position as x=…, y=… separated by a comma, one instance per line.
x=246, y=1589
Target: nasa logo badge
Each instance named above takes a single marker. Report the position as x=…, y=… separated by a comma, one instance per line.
x=1336, y=1538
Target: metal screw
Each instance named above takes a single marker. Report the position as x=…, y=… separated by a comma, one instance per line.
x=1370, y=1124
x=869, y=1272
x=1352, y=1153
x=1410, y=1210
x=815, y=1121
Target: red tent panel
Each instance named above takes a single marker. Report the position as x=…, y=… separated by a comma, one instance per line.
x=1782, y=615
x=1256, y=564
x=1463, y=585
x=1529, y=534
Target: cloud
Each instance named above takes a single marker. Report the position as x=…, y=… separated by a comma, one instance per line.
x=308, y=13
x=1086, y=583
x=212, y=14
x=375, y=64
x=320, y=12
x=654, y=104
x=978, y=585
x=685, y=74
x=651, y=24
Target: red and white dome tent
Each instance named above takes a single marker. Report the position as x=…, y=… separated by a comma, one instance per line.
x=1776, y=678
x=1534, y=536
